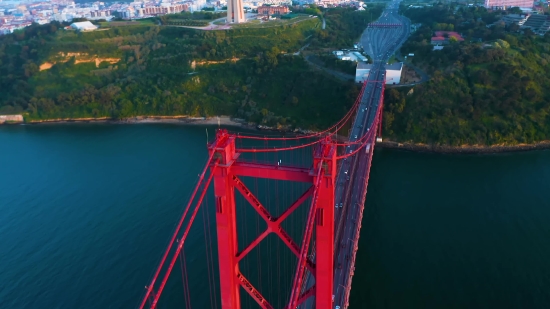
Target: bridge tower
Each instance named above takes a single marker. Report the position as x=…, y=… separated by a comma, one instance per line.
x=320, y=217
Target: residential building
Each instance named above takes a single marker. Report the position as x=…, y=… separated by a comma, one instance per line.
x=267, y=10
x=503, y=4
x=162, y=10
x=99, y=14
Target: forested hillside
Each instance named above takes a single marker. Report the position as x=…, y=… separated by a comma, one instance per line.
x=344, y=26
x=493, y=88
x=130, y=69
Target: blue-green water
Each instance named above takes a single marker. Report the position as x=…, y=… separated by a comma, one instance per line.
x=86, y=211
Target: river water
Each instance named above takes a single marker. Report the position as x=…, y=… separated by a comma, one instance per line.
x=86, y=210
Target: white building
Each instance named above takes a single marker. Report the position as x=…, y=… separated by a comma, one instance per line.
x=349, y=56
x=393, y=72
x=83, y=26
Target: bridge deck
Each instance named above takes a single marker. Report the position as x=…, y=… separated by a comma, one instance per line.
x=352, y=178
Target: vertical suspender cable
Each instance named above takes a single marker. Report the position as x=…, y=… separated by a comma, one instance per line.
x=259, y=244
x=278, y=274
x=213, y=271
x=210, y=281
x=184, y=281
x=268, y=239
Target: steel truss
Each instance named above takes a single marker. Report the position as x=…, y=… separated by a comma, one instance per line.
x=321, y=218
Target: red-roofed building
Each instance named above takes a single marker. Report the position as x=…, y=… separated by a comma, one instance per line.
x=442, y=37
x=267, y=10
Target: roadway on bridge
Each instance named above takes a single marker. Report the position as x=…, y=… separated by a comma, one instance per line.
x=380, y=43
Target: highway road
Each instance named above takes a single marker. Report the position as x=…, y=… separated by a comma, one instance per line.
x=380, y=43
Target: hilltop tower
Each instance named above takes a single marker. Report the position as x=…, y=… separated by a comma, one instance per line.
x=235, y=12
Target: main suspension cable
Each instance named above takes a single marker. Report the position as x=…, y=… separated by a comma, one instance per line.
x=335, y=126
x=256, y=150
x=174, y=236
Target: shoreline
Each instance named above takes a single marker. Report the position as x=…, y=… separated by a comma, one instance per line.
x=226, y=121
x=468, y=149
x=232, y=122
x=184, y=120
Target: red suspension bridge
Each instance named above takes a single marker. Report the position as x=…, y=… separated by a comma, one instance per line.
x=312, y=204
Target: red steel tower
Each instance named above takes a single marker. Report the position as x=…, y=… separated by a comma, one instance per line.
x=320, y=217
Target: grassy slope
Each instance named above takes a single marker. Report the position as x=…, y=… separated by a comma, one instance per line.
x=159, y=74
x=152, y=77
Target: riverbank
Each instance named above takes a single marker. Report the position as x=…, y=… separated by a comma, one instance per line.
x=221, y=120
x=11, y=119
x=467, y=149
x=226, y=121
x=232, y=122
